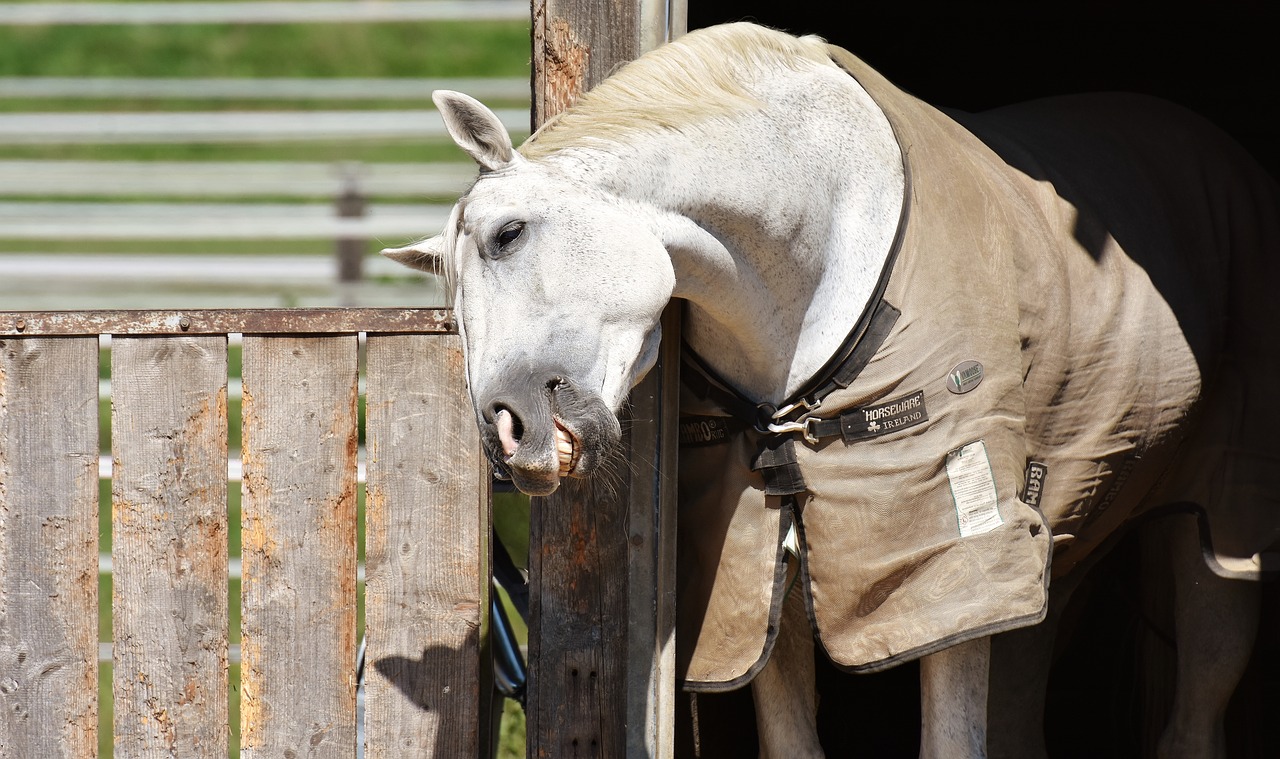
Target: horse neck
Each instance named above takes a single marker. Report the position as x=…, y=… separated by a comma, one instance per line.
x=778, y=227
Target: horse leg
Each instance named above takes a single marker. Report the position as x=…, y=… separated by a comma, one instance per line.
x=1021, y=662
x=1215, y=623
x=785, y=691
x=953, y=701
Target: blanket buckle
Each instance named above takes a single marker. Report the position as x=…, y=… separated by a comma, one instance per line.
x=803, y=426
x=804, y=403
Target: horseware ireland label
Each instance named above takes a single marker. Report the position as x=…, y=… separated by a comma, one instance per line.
x=883, y=418
x=974, y=489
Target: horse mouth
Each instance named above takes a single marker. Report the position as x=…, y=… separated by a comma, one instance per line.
x=568, y=452
x=564, y=433
x=568, y=446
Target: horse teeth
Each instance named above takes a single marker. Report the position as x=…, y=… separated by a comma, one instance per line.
x=564, y=449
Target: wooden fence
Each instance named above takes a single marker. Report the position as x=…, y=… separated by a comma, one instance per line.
x=601, y=564
x=426, y=544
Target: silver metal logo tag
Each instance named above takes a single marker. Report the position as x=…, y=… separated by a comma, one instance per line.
x=964, y=377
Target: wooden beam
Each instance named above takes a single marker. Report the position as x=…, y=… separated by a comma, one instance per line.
x=602, y=559
x=225, y=321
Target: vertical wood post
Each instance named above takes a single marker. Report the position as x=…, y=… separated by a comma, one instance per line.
x=602, y=557
x=48, y=547
x=169, y=545
x=298, y=640
x=350, y=204
x=427, y=592
x=651, y=508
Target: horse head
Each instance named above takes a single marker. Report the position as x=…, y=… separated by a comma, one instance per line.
x=557, y=291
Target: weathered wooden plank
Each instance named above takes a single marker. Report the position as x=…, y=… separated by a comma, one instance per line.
x=601, y=635
x=576, y=703
x=169, y=545
x=298, y=629
x=577, y=700
x=223, y=321
x=48, y=547
x=651, y=511
x=427, y=552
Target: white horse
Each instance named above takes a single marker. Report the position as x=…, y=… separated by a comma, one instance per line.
x=773, y=183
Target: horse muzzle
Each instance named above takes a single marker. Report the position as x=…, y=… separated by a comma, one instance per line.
x=546, y=431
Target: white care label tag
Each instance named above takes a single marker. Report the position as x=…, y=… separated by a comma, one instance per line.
x=974, y=489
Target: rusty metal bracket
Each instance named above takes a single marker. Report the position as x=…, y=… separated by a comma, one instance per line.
x=309, y=321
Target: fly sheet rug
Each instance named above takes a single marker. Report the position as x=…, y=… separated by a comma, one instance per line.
x=1075, y=329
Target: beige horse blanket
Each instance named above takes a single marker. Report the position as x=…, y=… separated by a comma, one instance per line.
x=1085, y=334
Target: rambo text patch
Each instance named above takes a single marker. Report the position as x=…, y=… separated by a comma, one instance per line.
x=703, y=430
x=1036, y=474
x=883, y=418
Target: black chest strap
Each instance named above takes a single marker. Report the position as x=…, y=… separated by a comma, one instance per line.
x=775, y=457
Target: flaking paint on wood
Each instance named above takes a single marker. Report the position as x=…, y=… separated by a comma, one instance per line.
x=48, y=547
x=299, y=450
x=169, y=541
x=427, y=550
x=576, y=44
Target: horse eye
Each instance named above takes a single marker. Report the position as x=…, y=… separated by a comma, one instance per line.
x=510, y=233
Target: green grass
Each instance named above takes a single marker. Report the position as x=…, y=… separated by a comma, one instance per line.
x=511, y=734
x=437, y=49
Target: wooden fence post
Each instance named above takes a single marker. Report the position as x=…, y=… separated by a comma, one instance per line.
x=602, y=561
x=350, y=204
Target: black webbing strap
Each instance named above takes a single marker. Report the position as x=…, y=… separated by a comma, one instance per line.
x=775, y=458
x=776, y=462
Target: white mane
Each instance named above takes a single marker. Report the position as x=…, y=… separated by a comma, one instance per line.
x=699, y=76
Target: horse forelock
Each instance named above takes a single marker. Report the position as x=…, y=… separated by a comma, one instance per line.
x=449, y=265
x=702, y=75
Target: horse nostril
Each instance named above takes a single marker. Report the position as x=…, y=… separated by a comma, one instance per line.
x=510, y=429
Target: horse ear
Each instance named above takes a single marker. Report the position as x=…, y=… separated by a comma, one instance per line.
x=426, y=255
x=476, y=129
